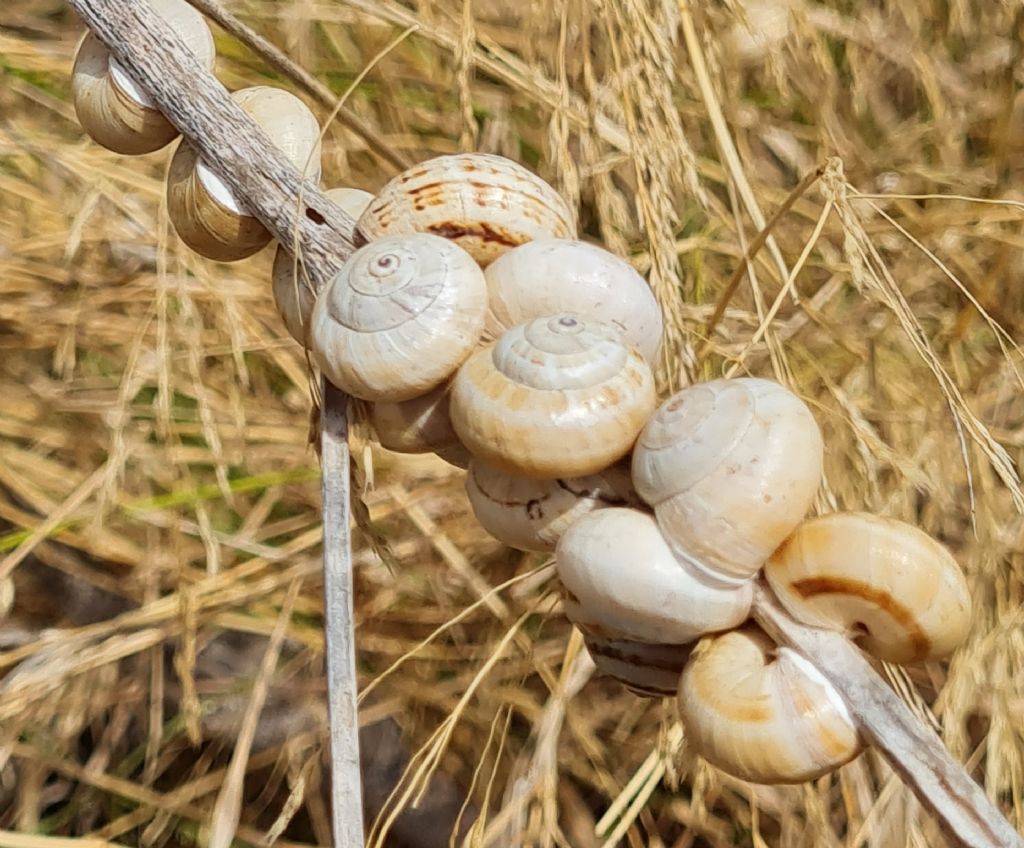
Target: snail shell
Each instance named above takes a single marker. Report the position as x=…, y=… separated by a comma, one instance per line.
x=532, y=514
x=399, y=317
x=621, y=579
x=555, y=397
x=295, y=298
x=549, y=275
x=731, y=468
x=761, y=713
x=886, y=582
x=645, y=669
x=419, y=425
x=766, y=26
x=486, y=204
x=205, y=213
x=111, y=107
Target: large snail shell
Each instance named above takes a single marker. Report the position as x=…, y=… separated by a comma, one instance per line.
x=621, y=579
x=886, y=582
x=419, y=425
x=645, y=669
x=730, y=467
x=532, y=514
x=762, y=713
x=295, y=298
x=485, y=203
x=549, y=275
x=555, y=397
x=114, y=110
x=205, y=213
x=399, y=317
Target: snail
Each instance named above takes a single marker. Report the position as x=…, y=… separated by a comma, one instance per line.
x=761, y=713
x=111, y=107
x=621, y=580
x=558, y=396
x=294, y=298
x=399, y=318
x=532, y=514
x=485, y=203
x=764, y=26
x=645, y=669
x=549, y=275
x=205, y=213
x=731, y=468
x=419, y=425
x=887, y=584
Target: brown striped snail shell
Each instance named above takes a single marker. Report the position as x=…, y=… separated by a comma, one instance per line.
x=555, y=397
x=547, y=275
x=532, y=514
x=294, y=298
x=487, y=204
x=419, y=425
x=112, y=108
x=887, y=584
x=399, y=318
x=205, y=213
x=762, y=713
x=645, y=669
x=731, y=468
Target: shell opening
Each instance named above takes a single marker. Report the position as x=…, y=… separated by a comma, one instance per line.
x=219, y=191
x=810, y=671
x=123, y=80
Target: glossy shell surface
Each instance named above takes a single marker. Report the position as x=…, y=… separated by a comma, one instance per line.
x=419, y=425
x=647, y=670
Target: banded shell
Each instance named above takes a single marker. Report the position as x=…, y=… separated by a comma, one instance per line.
x=645, y=669
x=761, y=713
x=886, y=583
x=487, y=204
x=420, y=425
x=731, y=468
x=554, y=397
x=399, y=318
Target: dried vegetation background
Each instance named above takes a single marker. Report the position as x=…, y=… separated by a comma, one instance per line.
x=159, y=498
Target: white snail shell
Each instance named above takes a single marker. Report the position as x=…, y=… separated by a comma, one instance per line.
x=621, y=579
x=645, y=669
x=111, y=107
x=731, y=468
x=532, y=514
x=205, y=213
x=555, y=397
x=761, y=713
x=295, y=298
x=399, y=317
x=886, y=583
x=485, y=203
x=549, y=275
x=419, y=425
x=766, y=26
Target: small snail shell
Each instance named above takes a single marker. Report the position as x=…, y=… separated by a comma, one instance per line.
x=549, y=275
x=205, y=213
x=620, y=578
x=485, y=203
x=399, y=317
x=555, y=397
x=761, y=713
x=645, y=669
x=766, y=26
x=532, y=514
x=114, y=110
x=419, y=425
x=730, y=467
x=294, y=298
x=886, y=581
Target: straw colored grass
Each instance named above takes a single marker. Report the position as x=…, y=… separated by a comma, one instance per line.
x=161, y=669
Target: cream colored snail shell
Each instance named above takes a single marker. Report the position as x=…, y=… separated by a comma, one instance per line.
x=399, y=318
x=645, y=669
x=765, y=25
x=731, y=468
x=555, y=397
x=205, y=213
x=293, y=298
x=112, y=108
x=549, y=275
x=532, y=514
x=487, y=204
x=419, y=425
x=620, y=578
x=761, y=713
x=886, y=583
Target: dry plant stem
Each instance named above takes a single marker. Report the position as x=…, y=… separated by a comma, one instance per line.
x=913, y=750
x=300, y=217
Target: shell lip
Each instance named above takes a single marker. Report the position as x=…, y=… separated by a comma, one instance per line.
x=704, y=571
x=219, y=191
x=131, y=89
